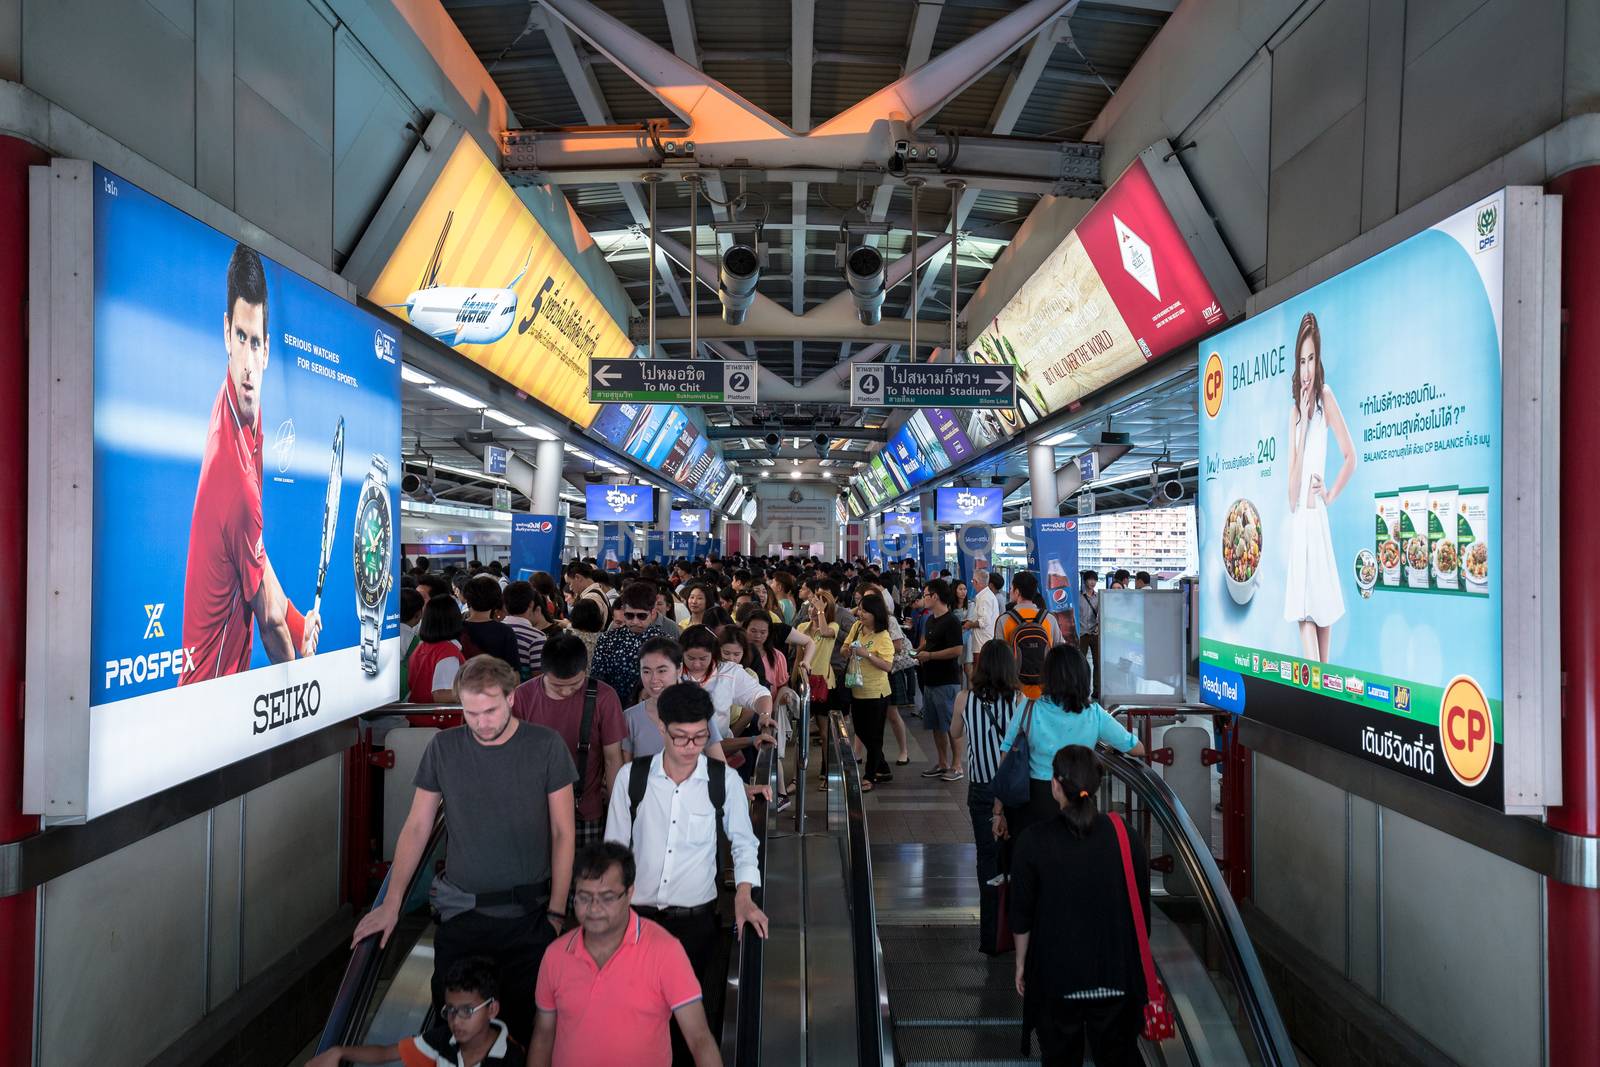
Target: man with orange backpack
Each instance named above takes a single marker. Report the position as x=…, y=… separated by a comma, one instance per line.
x=1027, y=627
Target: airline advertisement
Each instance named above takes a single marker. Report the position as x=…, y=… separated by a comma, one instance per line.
x=947, y=433
x=475, y=270
x=246, y=426
x=908, y=463
x=1121, y=289
x=691, y=520
x=667, y=438
x=536, y=542
x=1054, y=559
x=1351, y=506
x=957, y=507
x=620, y=503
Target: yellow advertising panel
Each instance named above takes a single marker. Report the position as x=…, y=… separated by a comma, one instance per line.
x=477, y=271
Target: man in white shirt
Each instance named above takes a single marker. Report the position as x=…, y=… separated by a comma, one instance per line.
x=986, y=608
x=671, y=825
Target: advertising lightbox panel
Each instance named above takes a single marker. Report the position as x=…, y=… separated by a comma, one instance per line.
x=903, y=521
x=957, y=507
x=474, y=269
x=240, y=591
x=1353, y=509
x=1121, y=289
x=691, y=520
x=620, y=503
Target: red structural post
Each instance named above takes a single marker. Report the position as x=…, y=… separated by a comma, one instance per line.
x=17, y=913
x=1573, y=926
x=1237, y=806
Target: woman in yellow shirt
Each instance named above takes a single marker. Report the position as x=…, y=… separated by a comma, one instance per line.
x=871, y=654
x=822, y=627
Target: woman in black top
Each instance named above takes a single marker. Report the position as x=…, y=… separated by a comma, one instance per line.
x=1078, y=966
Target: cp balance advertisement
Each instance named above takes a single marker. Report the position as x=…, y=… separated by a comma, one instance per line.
x=247, y=470
x=1350, y=509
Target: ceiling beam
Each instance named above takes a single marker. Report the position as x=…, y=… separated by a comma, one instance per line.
x=1021, y=82
x=680, y=23
x=802, y=27
x=591, y=100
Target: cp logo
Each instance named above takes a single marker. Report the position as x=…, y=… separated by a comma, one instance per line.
x=152, y=626
x=1466, y=730
x=1213, y=385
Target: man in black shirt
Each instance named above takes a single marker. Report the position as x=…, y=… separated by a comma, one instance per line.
x=940, y=658
x=481, y=631
x=507, y=790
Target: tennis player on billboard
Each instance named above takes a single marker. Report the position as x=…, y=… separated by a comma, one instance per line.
x=229, y=581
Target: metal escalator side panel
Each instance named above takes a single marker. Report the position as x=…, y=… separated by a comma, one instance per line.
x=353, y=1008
x=744, y=1001
x=1192, y=852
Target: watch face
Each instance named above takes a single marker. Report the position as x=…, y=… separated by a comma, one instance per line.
x=372, y=547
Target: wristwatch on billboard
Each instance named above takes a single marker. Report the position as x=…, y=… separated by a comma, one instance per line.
x=374, y=552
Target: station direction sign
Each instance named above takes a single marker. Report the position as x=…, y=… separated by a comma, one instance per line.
x=672, y=381
x=938, y=385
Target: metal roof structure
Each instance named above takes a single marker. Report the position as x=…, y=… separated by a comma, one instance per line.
x=570, y=68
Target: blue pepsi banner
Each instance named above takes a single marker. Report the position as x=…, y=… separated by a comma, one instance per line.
x=874, y=550
x=616, y=545
x=930, y=546
x=655, y=546
x=685, y=545
x=691, y=520
x=957, y=507
x=1055, y=557
x=974, y=553
x=246, y=430
x=620, y=503
x=536, y=544
x=714, y=546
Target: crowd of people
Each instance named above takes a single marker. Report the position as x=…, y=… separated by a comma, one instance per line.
x=625, y=709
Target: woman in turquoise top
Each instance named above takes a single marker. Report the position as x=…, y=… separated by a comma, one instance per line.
x=1065, y=715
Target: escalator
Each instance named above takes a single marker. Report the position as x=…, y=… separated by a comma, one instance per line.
x=385, y=994
x=952, y=1006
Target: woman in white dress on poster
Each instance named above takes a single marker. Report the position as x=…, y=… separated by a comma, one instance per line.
x=1312, y=598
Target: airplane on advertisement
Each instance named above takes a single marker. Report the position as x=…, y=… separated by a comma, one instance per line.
x=461, y=315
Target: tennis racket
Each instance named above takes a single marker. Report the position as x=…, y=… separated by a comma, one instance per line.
x=330, y=510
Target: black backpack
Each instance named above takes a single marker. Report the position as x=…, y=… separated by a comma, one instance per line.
x=639, y=782
x=1030, y=642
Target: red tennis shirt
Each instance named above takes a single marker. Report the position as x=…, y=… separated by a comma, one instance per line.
x=226, y=556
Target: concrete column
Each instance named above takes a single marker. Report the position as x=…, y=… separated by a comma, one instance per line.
x=928, y=502
x=546, y=495
x=1042, y=479
x=663, y=509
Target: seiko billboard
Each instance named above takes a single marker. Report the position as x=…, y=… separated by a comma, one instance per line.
x=241, y=428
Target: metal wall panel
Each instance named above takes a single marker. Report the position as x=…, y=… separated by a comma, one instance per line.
x=1380, y=159
x=291, y=862
x=122, y=952
x=283, y=180
x=124, y=68
x=285, y=54
x=1228, y=163
x=370, y=138
x=1492, y=84
x=1315, y=198
x=1300, y=857
x=224, y=958
x=1314, y=82
x=1463, y=946
x=1362, y=948
x=213, y=119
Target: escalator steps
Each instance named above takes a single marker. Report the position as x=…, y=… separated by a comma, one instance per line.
x=986, y=1047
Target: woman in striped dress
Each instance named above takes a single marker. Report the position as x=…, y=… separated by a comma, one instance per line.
x=982, y=715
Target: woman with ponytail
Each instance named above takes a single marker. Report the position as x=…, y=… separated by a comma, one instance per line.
x=1078, y=969
x=1065, y=714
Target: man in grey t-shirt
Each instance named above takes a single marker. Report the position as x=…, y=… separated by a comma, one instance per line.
x=507, y=790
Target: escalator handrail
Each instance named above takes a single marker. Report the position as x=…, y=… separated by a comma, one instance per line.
x=741, y=1043
x=873, y=1037
x=360, y=979
x=1194, y=856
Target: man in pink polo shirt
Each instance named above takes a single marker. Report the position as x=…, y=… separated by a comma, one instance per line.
x=607, y=990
